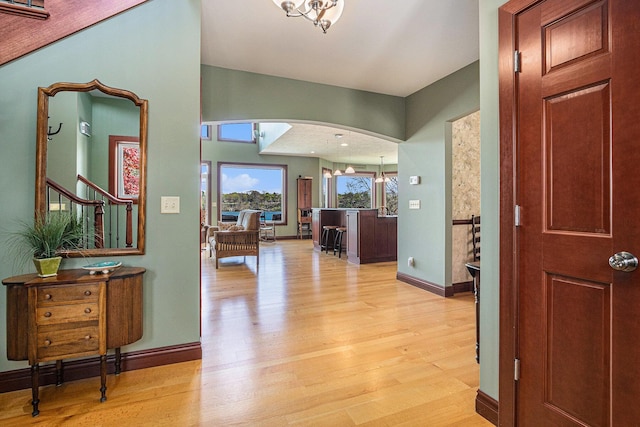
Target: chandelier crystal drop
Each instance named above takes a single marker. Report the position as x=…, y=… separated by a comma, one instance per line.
x=323, y=13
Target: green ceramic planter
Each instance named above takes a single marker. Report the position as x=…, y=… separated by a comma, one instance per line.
x=47, y=267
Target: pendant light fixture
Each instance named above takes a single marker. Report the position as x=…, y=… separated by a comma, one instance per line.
x=337, y=172
x=323, y=13
x=382, y=177
x=349, y=169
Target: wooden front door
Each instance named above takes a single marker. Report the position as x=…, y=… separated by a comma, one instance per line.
x=576, y=174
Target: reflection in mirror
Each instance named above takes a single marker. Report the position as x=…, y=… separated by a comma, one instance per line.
x=94, y=166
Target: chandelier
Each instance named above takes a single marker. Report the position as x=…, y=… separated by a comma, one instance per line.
x=323, y=13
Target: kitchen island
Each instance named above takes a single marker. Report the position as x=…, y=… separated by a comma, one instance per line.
x=369, y=238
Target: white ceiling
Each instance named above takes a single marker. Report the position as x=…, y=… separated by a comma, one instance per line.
x=321, y=141
x=388, y=47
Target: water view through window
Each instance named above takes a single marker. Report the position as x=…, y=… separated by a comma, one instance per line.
x=252, y=186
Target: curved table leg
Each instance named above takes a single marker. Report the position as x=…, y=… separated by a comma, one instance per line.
x=103, y=377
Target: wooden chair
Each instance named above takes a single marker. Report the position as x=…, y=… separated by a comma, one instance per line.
x=304, y=223
x=268, y=228
x=475, y=237
x=245, y=242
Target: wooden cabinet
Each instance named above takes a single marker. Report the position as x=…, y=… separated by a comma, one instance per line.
x=74, y=314
x=66, y=321
x=305, y=188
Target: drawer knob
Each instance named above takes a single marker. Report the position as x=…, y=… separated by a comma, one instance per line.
x=47, y=296
x=87, y=337
x=87, y=310
x=87, y=293
x=47, y=314
x=47, y=342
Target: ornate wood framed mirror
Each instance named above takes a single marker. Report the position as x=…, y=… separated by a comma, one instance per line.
x=91, y=159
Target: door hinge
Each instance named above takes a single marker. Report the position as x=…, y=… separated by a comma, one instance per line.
x=516, y=369
x=516, y=216
x=516, y=61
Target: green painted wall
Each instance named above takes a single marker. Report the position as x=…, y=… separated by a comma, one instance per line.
x=63, y=166
x=490, y=188
x=154, y=51
x=238, y=95
x=425, y=233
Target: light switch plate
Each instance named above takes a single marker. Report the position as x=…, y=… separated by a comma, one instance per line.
x=170, y=204
x=414, y=204
x=414, y=180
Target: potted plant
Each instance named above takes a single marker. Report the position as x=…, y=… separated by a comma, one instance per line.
x=47, y=238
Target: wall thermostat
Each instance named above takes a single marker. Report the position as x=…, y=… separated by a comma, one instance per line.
x=414, y=180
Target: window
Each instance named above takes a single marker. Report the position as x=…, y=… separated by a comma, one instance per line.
x=355, y=190
x=236, y=132
x=391, y=193
x=205, y=192
x=252, y=186
x=205, y=132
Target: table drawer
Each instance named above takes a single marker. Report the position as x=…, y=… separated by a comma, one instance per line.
x=55, y=314
x=65, y=294
x=57, y=343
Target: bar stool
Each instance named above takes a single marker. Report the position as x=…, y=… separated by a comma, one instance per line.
x=337, y=243
x=328, y=236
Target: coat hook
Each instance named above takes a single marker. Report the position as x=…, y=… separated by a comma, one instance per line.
x=50, y=134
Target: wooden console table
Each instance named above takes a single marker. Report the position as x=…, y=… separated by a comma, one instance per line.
x=73, y=314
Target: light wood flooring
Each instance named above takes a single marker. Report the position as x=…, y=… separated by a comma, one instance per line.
x=306, y=339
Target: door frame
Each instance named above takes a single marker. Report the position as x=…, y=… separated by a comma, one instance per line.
x=508, y=85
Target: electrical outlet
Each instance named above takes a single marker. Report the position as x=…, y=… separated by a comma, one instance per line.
x=414, y=204
x=170, y=204
x=411, y=262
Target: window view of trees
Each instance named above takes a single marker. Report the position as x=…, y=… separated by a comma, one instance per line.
x=355, y=191
x=252, y=186
x=391, y=194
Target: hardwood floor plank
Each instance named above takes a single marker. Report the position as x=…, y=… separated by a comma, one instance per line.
x=303, y=339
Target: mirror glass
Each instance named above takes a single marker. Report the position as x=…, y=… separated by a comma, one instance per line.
x=91, y=163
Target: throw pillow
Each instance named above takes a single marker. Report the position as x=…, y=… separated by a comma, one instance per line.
x=229, y=226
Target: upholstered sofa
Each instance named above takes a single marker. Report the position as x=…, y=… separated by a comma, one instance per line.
x=241, y=238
